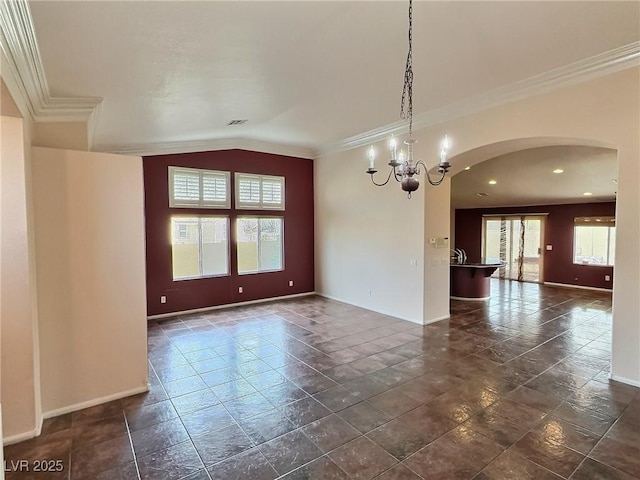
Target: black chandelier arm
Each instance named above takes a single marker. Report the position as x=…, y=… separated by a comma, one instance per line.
x=385, y=182
x=397, y=176
x=437, y=182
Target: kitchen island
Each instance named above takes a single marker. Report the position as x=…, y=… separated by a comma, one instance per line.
x=471, y=281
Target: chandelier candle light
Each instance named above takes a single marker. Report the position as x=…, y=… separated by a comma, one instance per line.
x=403, y=168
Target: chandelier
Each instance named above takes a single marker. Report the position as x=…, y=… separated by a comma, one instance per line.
x=403, y=167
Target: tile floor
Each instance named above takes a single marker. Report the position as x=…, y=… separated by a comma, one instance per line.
x=515, y=388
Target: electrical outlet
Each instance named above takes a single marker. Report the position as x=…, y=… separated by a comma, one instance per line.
x=607, y=278
x=239, y=289
x=163, y=299
x=291, y=283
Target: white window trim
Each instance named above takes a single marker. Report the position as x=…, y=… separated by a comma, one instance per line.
x=259, y=205
x=259, y=217
x=200, y=217
x=200, y=203
x=608, y=226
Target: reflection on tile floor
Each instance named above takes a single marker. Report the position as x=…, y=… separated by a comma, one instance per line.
x=514, y=388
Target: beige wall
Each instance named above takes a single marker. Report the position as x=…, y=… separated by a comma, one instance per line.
x=68, y=135
x=91, y=277
x=18, y=315
x=8, y=107
x=603, y=111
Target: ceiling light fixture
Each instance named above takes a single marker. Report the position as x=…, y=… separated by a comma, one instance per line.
x=587, y=194
x=558, y=170
x=404, y=168
x=492, y=182
x=467, y=168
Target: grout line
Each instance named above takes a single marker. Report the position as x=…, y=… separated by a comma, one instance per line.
x=133, y=450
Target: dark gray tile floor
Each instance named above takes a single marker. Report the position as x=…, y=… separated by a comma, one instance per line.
x=513, y=388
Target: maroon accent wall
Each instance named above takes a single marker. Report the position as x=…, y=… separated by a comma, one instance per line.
x=207, y=292
x=558, y=263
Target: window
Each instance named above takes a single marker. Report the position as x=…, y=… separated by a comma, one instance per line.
x=594, y=240
x=191, y=187
x=259, y=244
x=199, y=247
x=259, y=192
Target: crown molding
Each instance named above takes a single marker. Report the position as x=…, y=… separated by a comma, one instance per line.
x=24, y=73
x=164, y=148
x=621, y=58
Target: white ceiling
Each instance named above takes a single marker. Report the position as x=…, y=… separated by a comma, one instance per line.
x=304, y=73
x=526, y=178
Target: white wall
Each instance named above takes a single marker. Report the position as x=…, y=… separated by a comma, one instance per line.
x=604, y=111
x=91, y=277
x=366, y=238
x=436, y=260
x=18, y=315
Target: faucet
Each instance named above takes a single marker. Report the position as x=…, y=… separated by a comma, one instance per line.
x=460, y=254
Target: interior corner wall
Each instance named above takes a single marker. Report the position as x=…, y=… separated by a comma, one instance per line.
x=437, y=224
x=369, y=240
x=18, y=314
x=91, y=277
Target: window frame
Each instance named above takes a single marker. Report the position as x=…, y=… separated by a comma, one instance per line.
x=236, y=241
x=260, y=204
x=201, y=202
x=600, y=223
x=199, y=243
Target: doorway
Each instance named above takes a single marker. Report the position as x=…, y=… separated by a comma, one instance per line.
x=516, y=241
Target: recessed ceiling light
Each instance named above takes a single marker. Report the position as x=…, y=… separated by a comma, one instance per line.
x=467, y=168
x=492, y=182
x=558, y=170
x=482, y=194
x=587, y=194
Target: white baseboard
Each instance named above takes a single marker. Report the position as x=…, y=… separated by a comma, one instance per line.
x=366, y=307
x=477, y=299
x=628, y=381
x=95, y=401
x=438, y=319
x=228, y=305
x=20, y=437
x=582, y=287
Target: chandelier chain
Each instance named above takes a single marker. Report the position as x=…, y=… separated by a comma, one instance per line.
x=404, y=169
x=406, y=106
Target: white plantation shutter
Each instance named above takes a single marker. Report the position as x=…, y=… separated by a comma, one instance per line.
x=215, y=187
x=272, y=191
x=259, y=192
x=186, y=187
x=248, y=190
x=191, y=187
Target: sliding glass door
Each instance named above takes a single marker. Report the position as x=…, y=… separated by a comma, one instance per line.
x=516, y=241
